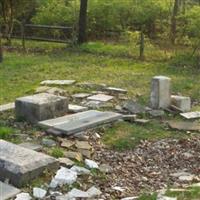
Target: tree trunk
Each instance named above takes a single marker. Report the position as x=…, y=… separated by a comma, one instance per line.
x=1, y=50
x=141, y=45
x=83, y=22
x=174, y=21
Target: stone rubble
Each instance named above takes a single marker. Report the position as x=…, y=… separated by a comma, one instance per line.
x=39, y=193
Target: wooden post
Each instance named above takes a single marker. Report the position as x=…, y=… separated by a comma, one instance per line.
x=23, y=35
x=141, y=57
x=1, y=49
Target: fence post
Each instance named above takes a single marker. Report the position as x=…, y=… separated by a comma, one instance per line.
x=23, y=35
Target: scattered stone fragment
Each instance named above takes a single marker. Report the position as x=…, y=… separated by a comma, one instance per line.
x=67, y=143
x=93, y=104
x=40, y=107
x=23, y=196
x=71, y=124
x=81, y=95
x=74, y=155
x=57, y=82
x=100, y=97
x=183, y=176
x=181, y=173
x=80, y=170
x=83, y=145
x=81, y=136
x=160, y=92
x=134, y=107
x=32, y=146
x=129, y=118
x=75, y=193
x=142, y=121
x=130, y=198
x=7, y=191
x=42, y=89
x=91, y=164
x=166, y=198
x=39, y=193
x=185, y=126
x=183, y=103
x=105, y=168
x=92, y=85
x=52, y=131
x=114, y=90
x=117, y=188
x=66, y=162
x=75, y=108
x=62, y=177
x=157, y=113
x=21, y=165
x=48, y=142
x=6, y=107
x=191, y=115
x=56, y=91
x=86, y=153
x=94, y=192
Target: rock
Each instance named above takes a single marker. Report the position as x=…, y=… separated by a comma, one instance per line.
x=183, y=176
x=7, y=191
x=80, y=95
x=71, y=124
x=42, y=89
x=129, y=118
x=74, y=155
x=80, y=170
x=57, y=91
x=76, y=108
x=48, y=142
x=100, y=97
x=62, y=177
x=75, y=193
x=7, y=107
x=89, y=85
x=91, y=164
x=114, y=90
x=66, y=162
x=191, y=115
x=93, y=104
x=130, y=198
x=181, y=102
x=32, y=146
x=105, y=168
x=134, y=107
x=160, y=92
x=21, y=165
x=117, y=188
x=81, y=136
x=94, y=192
x=52, y=131
x=184, y=126
x=39, y=193
x=40, y=107
x=67, y=143
x=57, y=82
x=23, y=196
x=83, y=145
x=86, y=153
x=157, y=113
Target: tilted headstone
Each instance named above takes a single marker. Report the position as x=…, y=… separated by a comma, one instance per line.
x=160, y=92
x=181, y=102
x=40, y=107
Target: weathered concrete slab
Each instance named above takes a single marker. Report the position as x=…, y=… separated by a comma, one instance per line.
x=76, y=108
x=181, y=102
x=191, y=115
x=57, y=82
x=21, y=165
x=185, y=126
x=100, y=97
x=78, y=122
x=6, y=107
x=160, y=92
x=7, y=191
x=114, y=90
x=40, y=107
x=81, y=95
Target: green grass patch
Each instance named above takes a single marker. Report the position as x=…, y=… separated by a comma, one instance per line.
x=6, y=133
x=56, y=152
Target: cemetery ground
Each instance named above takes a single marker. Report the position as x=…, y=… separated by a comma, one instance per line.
x=153, y=143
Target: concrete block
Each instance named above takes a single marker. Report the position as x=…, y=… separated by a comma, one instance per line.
x=40, y=107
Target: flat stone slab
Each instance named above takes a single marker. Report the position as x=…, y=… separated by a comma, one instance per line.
x=75, y=108
x=185, y=126
x=32, y=146
x=6, y=107
x=78, y=122
x=40, y=107
x=191, y=115
x=57, y=82
x=21, y=165
x=100, y=97
x=116, y=90
x=7, y=191
x=81, y=95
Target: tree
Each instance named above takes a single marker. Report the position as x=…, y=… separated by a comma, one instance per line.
x=174, y=21
x=82, y=37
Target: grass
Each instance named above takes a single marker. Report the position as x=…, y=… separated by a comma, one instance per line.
x=6, y=132
x=56, y=152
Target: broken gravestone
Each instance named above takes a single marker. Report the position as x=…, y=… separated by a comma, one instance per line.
x=71, y=124
x=100, y=97
x=20, y=165
x=134, y=107
x=181, y=102
x=185, y=126
x=191, y=115
x=40, y=107
x=160, y=92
